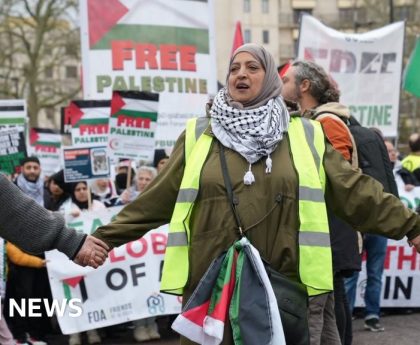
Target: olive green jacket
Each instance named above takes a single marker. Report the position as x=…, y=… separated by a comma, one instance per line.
x=268, y=208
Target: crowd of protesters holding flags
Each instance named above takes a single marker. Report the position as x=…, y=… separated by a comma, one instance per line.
x=269, y=176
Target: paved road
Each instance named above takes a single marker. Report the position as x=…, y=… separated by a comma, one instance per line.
x=399, y=330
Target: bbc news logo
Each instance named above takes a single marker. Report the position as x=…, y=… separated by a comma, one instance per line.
x=32, y=307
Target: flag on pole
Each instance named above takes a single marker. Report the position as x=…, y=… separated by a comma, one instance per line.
x=238, y=39
x=235, y=288
x=284, y=68
x=412, y=71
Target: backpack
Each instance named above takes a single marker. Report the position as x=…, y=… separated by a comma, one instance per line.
x=371, y=152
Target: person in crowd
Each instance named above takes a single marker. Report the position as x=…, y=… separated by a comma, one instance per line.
x=30, y=181
x=308, y=85
x=57, y=193
x=34, y=229
x=121, y=177
x=27, y=278
x=160, y=159
x=276, y=172
x=27, y=275
x=80, y=202
x=375, y=248
x=80, y=199
x=409, y=179
x=104, y=190
x=143, y=177
x=412, y=161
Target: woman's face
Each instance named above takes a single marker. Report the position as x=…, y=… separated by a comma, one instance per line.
x=246, y=78
x=55, y=189
x=161, y=164
x=143, y=180
x=81, y=192
x=102, y=183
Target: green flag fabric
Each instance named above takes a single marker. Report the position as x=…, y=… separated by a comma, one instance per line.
x=235, y=289
x=412, y=72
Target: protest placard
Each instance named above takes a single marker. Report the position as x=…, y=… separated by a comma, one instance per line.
x=87, y=122
x=165, y=47
x=85, y=163
x=132, y=126
x=46, y=145
x=12, y=149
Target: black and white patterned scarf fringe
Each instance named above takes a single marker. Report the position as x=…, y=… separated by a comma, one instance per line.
x=253, y=133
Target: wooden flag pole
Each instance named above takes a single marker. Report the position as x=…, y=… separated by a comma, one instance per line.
x=89, y=197
x=129, y=174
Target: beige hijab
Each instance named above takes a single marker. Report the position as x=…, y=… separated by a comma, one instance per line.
x=272, y=83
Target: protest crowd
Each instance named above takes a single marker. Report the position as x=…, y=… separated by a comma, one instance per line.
x=266, y=210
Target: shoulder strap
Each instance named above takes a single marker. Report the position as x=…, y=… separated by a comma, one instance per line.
x=228, y=185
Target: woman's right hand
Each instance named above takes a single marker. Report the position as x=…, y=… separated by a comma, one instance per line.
x=125, y=196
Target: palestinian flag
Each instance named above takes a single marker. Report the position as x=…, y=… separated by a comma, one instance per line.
x=46, y=145
x=44, y=140
x=87, y=122
x=12, y=112
x=113, y=20
x=234, y=289
x=133, y=124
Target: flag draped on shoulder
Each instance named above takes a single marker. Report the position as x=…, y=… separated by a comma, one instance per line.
x=412, y=72
x=235, y=288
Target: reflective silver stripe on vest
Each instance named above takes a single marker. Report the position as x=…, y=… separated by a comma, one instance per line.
x=201, y=125
x=311, y=194
x=177, y=239
x=187, y=195
x=319, y=239
x=310, y=138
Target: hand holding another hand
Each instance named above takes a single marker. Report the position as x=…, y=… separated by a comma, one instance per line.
x=92, y=253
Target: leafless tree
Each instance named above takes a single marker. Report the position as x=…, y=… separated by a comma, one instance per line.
x=38, y=39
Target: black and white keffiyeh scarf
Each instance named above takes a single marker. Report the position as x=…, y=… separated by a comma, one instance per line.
x=253, y=133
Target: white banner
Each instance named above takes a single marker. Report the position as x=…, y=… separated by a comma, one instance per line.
x=125, y=288
x=366, y=66
x=165, y=47
x=401, y=277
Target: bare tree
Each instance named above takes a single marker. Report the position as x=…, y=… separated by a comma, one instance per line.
x=38, y=39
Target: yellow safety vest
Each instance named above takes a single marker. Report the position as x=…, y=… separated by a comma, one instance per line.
x=411, y=162
x=307, y=149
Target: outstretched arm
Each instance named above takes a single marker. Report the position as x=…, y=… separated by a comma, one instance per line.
x=152, y=208
x=34, y=229
x=360, y=201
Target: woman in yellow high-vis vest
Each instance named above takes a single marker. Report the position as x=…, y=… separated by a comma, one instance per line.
x=283, y=172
